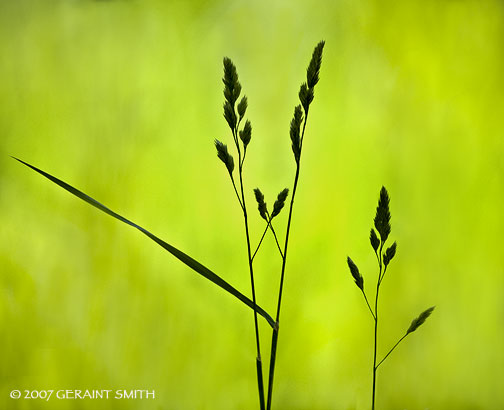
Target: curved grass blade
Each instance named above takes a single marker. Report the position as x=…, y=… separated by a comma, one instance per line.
x=193, y=264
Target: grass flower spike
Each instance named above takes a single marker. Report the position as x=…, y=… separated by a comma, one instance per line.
x=382, y=225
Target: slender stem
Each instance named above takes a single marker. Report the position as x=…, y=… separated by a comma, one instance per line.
x=270, y=226
x=294, y=189
x=274, y=339
x=260, y=383
x=284, y=259
x=244, y=155
x=374, y=356
x=366, y=299
x=235, y=137
x=384, y=272
x=276, y=240
x=236, y=191
x=376, y=328
x=260, y=241
x=391, y=350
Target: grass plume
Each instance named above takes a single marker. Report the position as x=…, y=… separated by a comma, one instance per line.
x=297, y=131
x=382, y=225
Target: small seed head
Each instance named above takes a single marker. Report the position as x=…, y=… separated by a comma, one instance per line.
x=313, y=71
x=375, y=242
x=230, y=115
x=261, y=205
x=354, y=270
x=232, y=86
x=242, y=106
x=418, y=321
x=295, y=132
x=305, y=96
x=389, y=254
x=279, y=203
x=246, y=133
x=382, y=218
x=224, y=156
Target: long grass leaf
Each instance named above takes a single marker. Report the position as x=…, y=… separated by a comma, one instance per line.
x=186, y=259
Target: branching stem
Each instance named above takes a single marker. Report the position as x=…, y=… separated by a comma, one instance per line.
x=367, y=303
x=384, y=272
x=391, y=350
x=269, y=225
x=236, y=191
x=276, y=240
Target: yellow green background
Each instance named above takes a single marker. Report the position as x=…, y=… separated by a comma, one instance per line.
x=123, y=99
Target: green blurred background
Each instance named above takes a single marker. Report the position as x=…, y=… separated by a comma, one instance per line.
x=124, y=98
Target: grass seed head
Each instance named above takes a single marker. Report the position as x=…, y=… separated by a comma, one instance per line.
x=295, y=132
x=246, y=133
x=354, y=270
x=261, y=205
x=305, y=96
x=242, y=106
x=230, y=115
x=382, y=218
x=232, y=86
x=224, y=156
x=313, y=71
x=279, y=203
x=418, y=321
x=375, y=242
x=389, y=254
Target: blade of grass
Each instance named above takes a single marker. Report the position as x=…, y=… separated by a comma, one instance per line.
x=186, y=259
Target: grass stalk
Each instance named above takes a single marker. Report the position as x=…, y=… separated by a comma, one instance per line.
x=382, y=225
x=260, y=380
x=274, y=339
x=297, y=133
x=391, y=350
x=375, y=349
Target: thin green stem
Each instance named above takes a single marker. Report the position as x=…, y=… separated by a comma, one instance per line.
x=260, y=241
x=235, y=137
x=391, y=350
x=244, y=155
x=384, y=272
x=236, y=191
x=367, y=303
x=260, y=382
x=274, y=339
x=376, y=328
x=276, y=240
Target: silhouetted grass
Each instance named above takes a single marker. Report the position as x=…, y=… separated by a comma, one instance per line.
x=382, y=225
x=234, y=113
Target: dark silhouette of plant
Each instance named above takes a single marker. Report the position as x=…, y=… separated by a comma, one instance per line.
x=234, y=113
x=382, y=225
x=232, y=90
x=297, y=132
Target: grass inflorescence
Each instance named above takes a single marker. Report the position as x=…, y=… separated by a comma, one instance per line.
x=234, y=109
x=382, y=225
x=233, y=116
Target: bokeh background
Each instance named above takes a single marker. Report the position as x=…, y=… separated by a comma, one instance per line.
x=123, y=99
